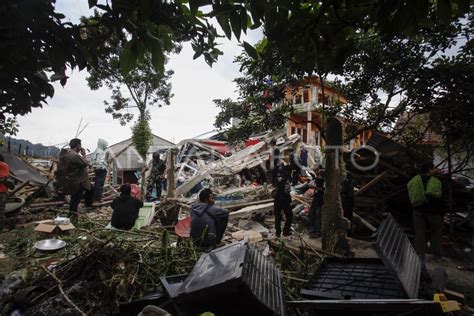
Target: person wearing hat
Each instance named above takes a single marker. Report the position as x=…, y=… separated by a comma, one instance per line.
x=126, y=208
x=156, y=176
x=76, y=181
x=282, y=202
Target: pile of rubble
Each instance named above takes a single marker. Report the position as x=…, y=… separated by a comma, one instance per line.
x=131, y=269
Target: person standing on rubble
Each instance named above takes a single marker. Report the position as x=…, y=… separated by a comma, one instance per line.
x=156, y=176
x=304, y=155
x=425, y=192
x=315, y=215
x=4, y=185
x=282, y=202
x=208, y=222
x=295, y=165
x=77, y=182
x=99, y=162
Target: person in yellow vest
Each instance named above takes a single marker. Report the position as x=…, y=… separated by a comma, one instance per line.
x=425, y=192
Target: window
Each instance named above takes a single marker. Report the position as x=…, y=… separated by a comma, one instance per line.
x=306, y=95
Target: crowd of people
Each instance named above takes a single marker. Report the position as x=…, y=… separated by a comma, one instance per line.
x=209, y=222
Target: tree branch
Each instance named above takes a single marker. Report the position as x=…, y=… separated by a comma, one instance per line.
x=60, y=286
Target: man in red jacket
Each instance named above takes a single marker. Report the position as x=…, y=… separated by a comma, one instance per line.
x=4, y=184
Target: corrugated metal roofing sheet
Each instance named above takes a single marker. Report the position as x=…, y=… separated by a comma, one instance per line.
x=396, y=251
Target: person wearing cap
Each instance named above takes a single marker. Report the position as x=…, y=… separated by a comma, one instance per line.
x=282, y=202
x=156, y=176
x=77, y=182
x=125, y=208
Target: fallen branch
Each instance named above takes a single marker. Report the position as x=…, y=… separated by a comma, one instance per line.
x=60, y=286
x=295, y=279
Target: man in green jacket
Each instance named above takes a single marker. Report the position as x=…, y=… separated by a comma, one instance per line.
x=425, y=192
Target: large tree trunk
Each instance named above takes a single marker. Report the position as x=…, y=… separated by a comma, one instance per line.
x=334, y=224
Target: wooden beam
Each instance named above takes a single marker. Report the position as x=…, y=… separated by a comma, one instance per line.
x=393, y=168
x=371, y=183
x=260, y=208
x=242, y=205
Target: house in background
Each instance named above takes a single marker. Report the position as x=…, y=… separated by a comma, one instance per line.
x=306, y=120
x=127, y=163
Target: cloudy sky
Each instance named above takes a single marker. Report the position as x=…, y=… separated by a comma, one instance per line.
x=191, y=112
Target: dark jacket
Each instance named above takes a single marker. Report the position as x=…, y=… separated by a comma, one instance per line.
x=282, y=192
x=208, y=216
x=125, y=212
x=76, y=174
x=318, y=196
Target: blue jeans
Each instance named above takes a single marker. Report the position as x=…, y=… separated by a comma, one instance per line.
x=100, y=175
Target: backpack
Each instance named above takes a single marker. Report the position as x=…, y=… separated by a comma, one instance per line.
x=417, y=192
x=434, y=187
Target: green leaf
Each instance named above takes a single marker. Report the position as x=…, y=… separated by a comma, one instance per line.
x=444, y=10
x=157, y=57
x=235, y=21
x=92, y=3
x=463, y=6
x=128, y=57
x=251, y=51
x=224, y=23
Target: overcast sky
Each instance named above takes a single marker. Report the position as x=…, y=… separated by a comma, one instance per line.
x=191, y=112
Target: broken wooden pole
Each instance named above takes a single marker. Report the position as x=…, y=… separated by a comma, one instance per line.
x=56, y=203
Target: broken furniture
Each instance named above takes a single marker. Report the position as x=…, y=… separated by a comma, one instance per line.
x=392, y=283
x=232, y=280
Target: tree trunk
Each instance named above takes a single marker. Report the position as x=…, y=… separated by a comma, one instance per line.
x=334, y=224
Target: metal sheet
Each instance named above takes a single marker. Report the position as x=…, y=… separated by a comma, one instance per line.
x=353, y=278
x=397, y=253
x=22, y=170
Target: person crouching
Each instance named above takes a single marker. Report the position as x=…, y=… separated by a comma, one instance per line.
x=208, y=222
x=126, y=208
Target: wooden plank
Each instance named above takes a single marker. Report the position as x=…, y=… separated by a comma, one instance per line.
x=371, y=183
x=261, y=208
x=242, y=205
